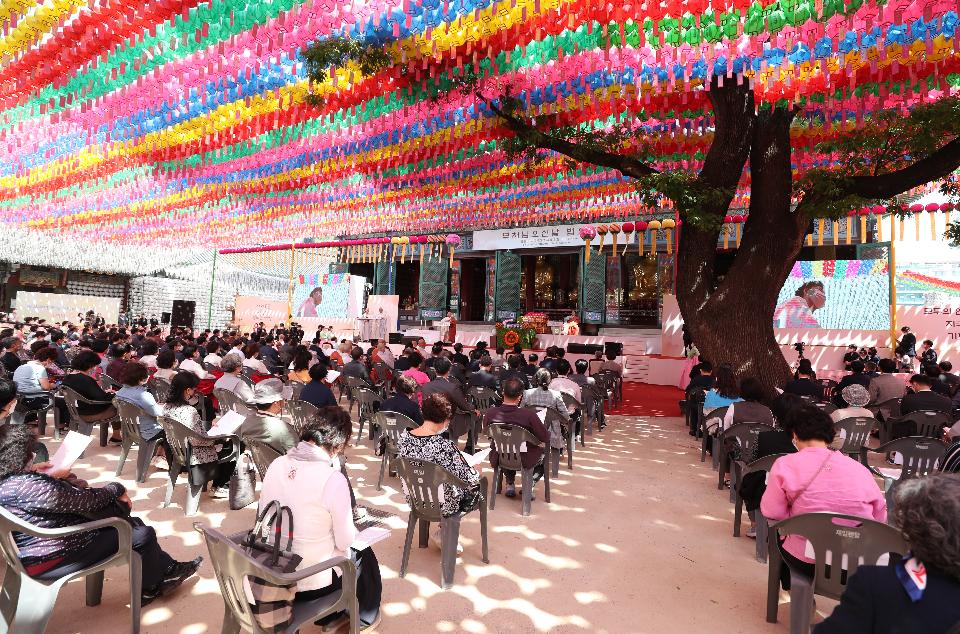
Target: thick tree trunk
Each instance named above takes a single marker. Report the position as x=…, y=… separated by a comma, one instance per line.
x=738, y=316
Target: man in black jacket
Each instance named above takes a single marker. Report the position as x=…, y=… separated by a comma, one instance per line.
x=11, y=361
x=356, y=368
x=484, y=377
x=514, y=371
x=463, y=410
x=923, y=398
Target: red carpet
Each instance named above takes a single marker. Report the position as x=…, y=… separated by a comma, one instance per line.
x=640, y=399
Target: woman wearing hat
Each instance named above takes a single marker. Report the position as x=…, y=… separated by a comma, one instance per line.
x=266, y=425
x=856, y=397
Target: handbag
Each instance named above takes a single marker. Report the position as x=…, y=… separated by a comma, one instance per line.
x=273, y=603
x=243, y=483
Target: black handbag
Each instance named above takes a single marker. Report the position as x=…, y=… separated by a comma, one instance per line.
x=243, y=483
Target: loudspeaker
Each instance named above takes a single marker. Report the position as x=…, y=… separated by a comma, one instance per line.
x=164, y=318
x=409, y=341
x=613, y=347
x=395, y=337
x=583, y=348
x=182, y=313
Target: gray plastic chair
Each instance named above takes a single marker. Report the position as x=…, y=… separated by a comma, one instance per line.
x=109, y=383
x=178, y=437
x=566, y=432
x=225, y=400
x=570, y=401
x=19, y=414
x=745, y=434
x=886, y=410
x=300, y=413
x=855, y=540
x=920, y=457
x=742, y=469
x=483, y=398
x=856, y=431
x=366, y=400
x=232, y=566
x=77, y=422
x=129, y=416
x=829, y=386
x=391, y=425
x=927, y=423
x=508, y=439
x=707, y=423
x=160, y=388
x=422, y=481
x=295, y=388
x=27, y=603
x=592, y=408
x=826, y=408
x=261, y=453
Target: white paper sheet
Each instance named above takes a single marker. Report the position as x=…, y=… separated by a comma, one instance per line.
x=332, y=376
x=70, y=449
x=370, y=536
x=474, y=459
x=228, y=424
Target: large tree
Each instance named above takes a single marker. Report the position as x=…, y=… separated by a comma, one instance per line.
x=891, y=153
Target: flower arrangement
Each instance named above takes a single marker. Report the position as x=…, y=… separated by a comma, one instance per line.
x=510, y=334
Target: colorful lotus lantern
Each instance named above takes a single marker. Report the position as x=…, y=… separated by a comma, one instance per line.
x=587, y=233
x=668, y=226
x=654, y=226
x=627, y=230
x=642, y=227
x=602, y=232
x=453, y=241
x=614, y=229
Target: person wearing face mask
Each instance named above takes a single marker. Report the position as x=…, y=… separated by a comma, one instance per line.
x=797, y=312
x=134, y=390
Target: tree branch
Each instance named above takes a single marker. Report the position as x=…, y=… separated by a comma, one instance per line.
x=938, y=165
x=624, y=164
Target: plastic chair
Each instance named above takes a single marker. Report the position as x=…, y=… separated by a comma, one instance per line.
x=178, y=437
x=856, y=431
x=829, y=386
x=571, y=402
x=694, y=411
x=300, y=413
x=743, y=468
x=422, y=481
x=483, y=398
x=508, y=440
x=27, y=603
x=160, y=388
x=225, y=400
x=109, y=383
x=21, y=411
x=391, y=425
x=129, y=415
x=886, y=410
x=920, y=457
x=841, y=538
x=927, y=423
x=566, y=432
x=76, y=421
x=295, y=388
x=366, y=399
x=745, y=434
x=232, y=566
x=826, y=408
x=261, y=453
x=708, y=422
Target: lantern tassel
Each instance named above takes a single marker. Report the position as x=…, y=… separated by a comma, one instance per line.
x=849, y=228
x=863, y=229
x=669, y=233
x=586, y=254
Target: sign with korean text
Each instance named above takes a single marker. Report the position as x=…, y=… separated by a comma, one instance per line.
x=541, y=237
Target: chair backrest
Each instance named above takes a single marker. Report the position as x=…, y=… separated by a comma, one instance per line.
x=209, y=367
x=366, y=396
x=828, y=385
x=71, y=398
x=929, y=423
x=715, y=417
x=746, y=435
x=225, y=399
x=160, y=388
x=392, y=425
x=296, y=387
x=570, y=401
x=301, y=412
x=422, y=482
x=888, y=409
x=248, y=372
x=129, y=418
x=262, y=454
x=483, y=398
x=761, y=464
x=847, y=541
x=232, y=566
x=856, y=432
x=508, y=440
x=248, y=380
x=109, y=383
x=826, y=408
x=920, y=455
x=177, y=435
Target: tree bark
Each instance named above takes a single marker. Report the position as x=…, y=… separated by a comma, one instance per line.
x=739, y=313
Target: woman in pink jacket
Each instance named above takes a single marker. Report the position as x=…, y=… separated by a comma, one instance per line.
x=817, y=479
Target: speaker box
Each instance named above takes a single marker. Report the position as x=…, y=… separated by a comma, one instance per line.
x=395, y=337
x=583, y=348
x=613, y=347
x=182, y=314
x=409, y=341
x=164, y=318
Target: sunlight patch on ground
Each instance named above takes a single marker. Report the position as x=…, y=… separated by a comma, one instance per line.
x=557, y=563
x=590, y=597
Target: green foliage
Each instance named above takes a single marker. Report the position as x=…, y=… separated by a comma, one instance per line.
x=951, y=189
x=322, y=55
x=695, y=201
